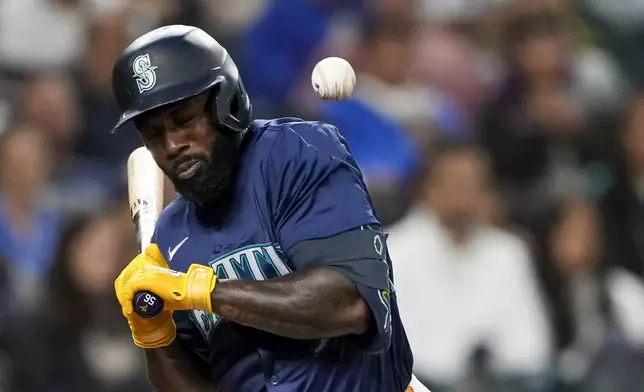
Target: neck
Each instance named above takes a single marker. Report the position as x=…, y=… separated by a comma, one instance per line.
x=458, y=235
x=19, y=210
x=459, y=232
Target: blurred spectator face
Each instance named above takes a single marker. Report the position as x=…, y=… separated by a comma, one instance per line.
x=400, y=9
x=634, y=137
x=95, y=258
x=25, y=162
x=538, y=45
x=457, y=188
x=541, y=55
x=48, y=102
x=107, y=39
x=575, y=238
x=449, y=62
x=388, y=53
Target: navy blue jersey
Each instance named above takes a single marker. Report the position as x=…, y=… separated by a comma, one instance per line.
x=297, y=182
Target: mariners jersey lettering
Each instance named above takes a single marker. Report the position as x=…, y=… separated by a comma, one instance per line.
x=296, y=182
x=251, y=263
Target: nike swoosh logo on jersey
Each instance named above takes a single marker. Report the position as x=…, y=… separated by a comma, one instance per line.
x=173, y=251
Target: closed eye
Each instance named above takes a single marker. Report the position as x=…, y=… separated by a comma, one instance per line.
x=183, y=120
x=151, y=134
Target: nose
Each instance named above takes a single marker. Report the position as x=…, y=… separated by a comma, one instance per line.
x=176, y=142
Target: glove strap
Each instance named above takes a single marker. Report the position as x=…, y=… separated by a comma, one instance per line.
x=200, y=283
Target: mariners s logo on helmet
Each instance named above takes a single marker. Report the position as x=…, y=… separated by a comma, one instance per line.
x=144, y=72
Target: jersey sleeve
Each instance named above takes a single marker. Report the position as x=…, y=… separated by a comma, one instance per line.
x=314, y=185
x=323, y=217
x=361, y=256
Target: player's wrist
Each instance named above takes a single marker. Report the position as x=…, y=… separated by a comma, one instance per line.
x=161, y=338
x=154, y=333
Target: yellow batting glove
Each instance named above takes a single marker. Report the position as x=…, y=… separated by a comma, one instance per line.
x=179, y=291
x=156, y=332
x=151, y=256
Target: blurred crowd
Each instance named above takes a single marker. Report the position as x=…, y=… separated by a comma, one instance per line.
x=502, y=142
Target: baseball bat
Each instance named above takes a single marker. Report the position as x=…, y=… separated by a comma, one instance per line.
x=145, y=191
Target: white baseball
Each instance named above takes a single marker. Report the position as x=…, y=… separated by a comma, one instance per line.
x=333, y=78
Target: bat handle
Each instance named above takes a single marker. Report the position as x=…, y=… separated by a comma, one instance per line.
x=147, y=305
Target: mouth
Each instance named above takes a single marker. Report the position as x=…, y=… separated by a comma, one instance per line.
x=188, y=169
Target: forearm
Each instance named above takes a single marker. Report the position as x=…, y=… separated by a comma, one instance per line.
x=309, y=304
x=170, y=371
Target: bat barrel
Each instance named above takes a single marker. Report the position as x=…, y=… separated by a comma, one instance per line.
x=147, y=305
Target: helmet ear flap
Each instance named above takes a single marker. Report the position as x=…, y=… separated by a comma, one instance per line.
x=237, y=109
x=240, y=108
x=235, y=106
x=211, y=104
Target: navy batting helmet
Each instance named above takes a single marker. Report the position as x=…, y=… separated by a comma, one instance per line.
x=177, y=62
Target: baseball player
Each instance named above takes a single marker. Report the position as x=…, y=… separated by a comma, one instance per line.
x=280, y=278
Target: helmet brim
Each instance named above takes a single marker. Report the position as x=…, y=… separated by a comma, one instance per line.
x=162, y=98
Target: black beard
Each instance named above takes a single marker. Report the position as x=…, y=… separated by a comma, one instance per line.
x=213, y=180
